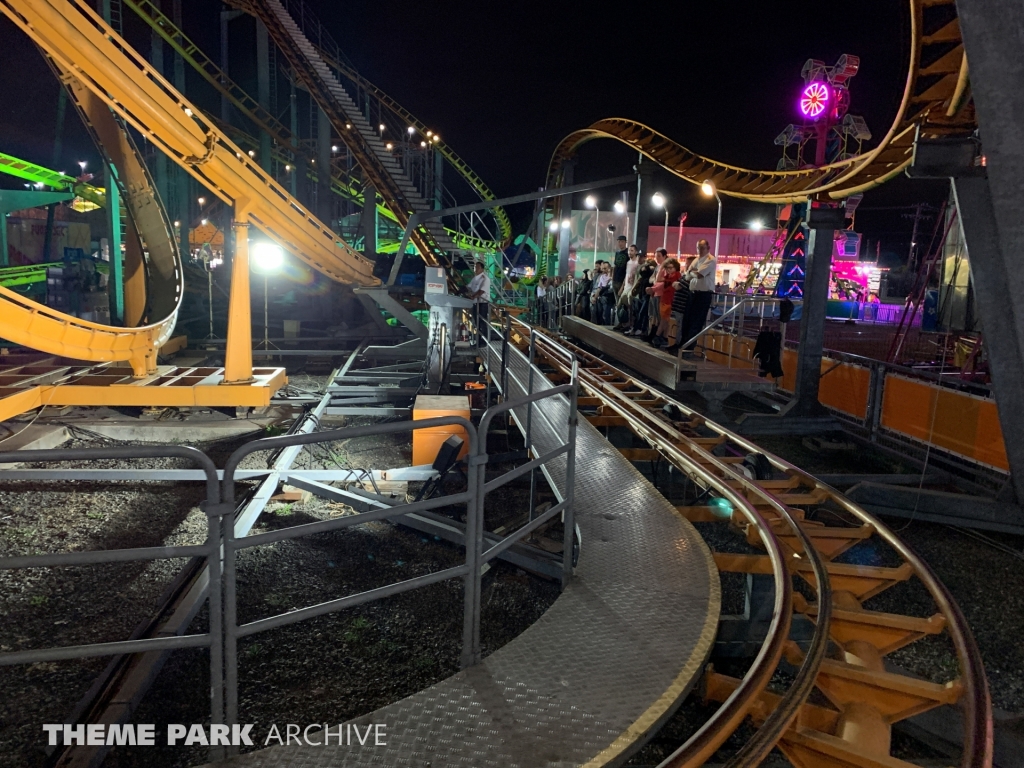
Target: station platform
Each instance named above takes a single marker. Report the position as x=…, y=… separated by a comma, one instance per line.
x=712, y=381
x=601, y=670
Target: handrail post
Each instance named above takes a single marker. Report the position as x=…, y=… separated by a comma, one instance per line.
x=474, y=538
x=568, y=514
x=230, y=627
x=504, y=357
x=529, y=419
x=215, y=527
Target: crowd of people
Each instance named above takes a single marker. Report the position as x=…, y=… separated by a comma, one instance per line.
x=645, y=297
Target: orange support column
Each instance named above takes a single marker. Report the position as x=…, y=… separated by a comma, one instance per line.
x=238, y=353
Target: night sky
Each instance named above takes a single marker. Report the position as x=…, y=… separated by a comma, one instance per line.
x=504, y=82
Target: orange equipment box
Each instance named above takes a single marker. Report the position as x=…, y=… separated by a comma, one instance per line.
x=427, y=442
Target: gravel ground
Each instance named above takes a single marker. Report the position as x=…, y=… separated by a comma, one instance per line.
x=327, y=669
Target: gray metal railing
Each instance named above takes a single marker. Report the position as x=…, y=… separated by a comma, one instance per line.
x=224, y=628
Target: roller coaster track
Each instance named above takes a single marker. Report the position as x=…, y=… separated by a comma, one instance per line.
x=23, y=169
x=89, y=52
x=342, y=183
x=380, y=167
x=935, y=103
x=845, y=661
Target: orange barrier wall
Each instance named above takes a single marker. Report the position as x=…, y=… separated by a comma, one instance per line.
x=960, y=423
x=963, y=424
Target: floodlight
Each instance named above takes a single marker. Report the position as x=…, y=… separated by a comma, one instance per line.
x=266, y=257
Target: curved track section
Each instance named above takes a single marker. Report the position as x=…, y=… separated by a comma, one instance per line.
x=934, y=102
x=77, y=40
x=865, y=694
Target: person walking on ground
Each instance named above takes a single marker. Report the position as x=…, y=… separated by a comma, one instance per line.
x=667, y=278
x=701, y=274
x=479, y=291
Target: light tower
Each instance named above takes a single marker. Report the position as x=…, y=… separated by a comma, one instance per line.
x=823, y=105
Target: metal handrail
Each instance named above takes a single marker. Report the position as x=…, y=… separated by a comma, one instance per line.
x=210, y=550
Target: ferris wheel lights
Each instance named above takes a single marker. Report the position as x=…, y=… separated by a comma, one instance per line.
x=814, y=99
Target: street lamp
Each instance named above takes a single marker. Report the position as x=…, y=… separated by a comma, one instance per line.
x=266, y=258
x=659, y=202
x=620, y=207
x=591, y=202
x=82, y=164
x=756, y=225
x=709, y=189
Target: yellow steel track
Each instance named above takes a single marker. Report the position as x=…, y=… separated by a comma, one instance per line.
x=935, y=102
x=80, y=44
x=815, y=524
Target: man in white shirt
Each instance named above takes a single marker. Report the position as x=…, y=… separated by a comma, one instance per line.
x=701, y=274
x=480, y=292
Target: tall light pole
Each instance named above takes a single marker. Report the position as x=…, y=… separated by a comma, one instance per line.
x=709, y=189
x=267, y=258
x=679, y=244
x=620, y=207
x=659, y=202
x=592, y=203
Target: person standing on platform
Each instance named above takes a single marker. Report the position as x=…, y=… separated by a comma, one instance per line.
x=641, y=300
x=601, y=294
x=701, y=274
x=623, y=304
x=667, y=278
x=480, y=292
x=621, y=260
x=680, y=301
x=542, y=301
x=655, y=291
x=583, y=295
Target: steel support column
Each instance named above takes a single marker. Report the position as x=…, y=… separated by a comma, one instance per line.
x=565, y=214
x=238, y=352
x=812, y=321
x=323, y=168
x=991, y=209
x=369, y=223
x=263, y=87
x=116, y=264
x=644, y=206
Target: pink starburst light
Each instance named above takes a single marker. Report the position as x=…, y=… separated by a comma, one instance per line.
x=814, y=99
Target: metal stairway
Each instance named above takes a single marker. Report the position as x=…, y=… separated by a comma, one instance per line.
x=382, y=169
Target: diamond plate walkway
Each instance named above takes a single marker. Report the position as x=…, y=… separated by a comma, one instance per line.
x=600, y=670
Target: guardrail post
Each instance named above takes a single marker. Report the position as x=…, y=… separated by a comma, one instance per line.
x=568, y=515
x=215, y=512
x=876, y=393
x=504, y=357
x=474, y=546
x=529, y=419
x=230, y=628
